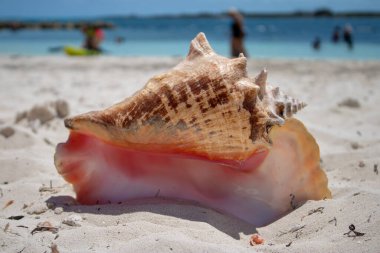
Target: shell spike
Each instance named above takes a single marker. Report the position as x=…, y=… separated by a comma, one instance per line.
x=261, y=81
x=199, y=46
x=239, y=65
x=276, y=92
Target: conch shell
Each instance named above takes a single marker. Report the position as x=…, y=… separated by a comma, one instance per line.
x=204, y=131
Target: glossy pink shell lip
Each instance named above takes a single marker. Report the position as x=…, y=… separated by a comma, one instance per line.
x=194, y=178
x=77, y=140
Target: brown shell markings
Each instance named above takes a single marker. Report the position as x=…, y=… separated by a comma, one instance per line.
x=184, y=108
x=203, y=131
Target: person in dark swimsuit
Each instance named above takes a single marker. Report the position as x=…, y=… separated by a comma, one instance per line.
x=336, y=35
x=317, y=44
x=347, y=36
x=237, y=34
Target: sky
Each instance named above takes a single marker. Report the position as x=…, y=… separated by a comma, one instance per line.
x=96, y=8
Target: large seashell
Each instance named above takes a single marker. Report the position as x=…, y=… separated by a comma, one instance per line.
x=203, y=131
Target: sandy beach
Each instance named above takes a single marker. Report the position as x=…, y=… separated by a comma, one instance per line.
x=38, y=92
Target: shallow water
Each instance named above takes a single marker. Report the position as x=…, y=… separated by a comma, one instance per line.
x=266, y=37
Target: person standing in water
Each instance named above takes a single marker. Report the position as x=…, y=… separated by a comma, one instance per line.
x=317, y=44
x=237, y=34
x=336, y=35
x=347, y=36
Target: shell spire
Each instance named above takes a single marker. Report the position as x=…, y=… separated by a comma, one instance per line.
x=280, y=106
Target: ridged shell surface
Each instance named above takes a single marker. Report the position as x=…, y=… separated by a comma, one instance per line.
x=206, y=105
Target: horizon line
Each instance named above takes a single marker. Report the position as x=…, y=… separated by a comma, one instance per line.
x=321, y=12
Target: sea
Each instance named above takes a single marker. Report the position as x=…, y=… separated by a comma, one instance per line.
x=265, y=37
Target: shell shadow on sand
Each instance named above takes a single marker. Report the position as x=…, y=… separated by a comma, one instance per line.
x=179, y=209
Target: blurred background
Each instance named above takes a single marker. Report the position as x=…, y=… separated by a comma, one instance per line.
x=339, y=29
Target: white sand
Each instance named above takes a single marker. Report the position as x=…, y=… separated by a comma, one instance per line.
x=346, y=135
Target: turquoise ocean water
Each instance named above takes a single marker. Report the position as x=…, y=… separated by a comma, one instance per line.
x=266, y=37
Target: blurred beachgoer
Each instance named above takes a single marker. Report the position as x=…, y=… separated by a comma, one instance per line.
x=347, y=36
x=316, y=44
x=93, y=37
x=237, y=36
x=88, y=37
x=336, y=35
x=99, y=36
x=119, y=39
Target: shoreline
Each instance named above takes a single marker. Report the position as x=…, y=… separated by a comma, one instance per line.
x=5, y=57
